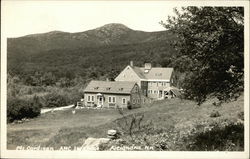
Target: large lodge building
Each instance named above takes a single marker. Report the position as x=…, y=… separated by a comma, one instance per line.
x=133, y=86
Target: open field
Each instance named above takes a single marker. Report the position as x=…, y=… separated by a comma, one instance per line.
x=62, y=128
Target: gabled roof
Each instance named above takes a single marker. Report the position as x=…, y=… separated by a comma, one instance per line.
x=139, y=72
x=160, y=73
x=114, y=87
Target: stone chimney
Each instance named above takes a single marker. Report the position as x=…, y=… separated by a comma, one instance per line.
x=131, y=63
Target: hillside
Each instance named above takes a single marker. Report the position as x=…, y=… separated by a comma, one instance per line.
x=98, y=51
x=109, y=34
x=173, y=117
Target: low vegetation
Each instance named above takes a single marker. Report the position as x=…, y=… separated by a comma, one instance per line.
x=26, y=101
x=168, y=125
x=19, y=108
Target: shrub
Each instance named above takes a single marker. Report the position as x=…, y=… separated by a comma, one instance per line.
x=227, y=138
x=133, y=124
x=56, y=100
x=20, y=108
x=129, y=106
x=215, y=114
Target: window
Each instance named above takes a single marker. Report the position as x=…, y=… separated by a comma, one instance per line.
x=134, y=101
x=148, y=91
x=136, y=89
x=96, y=88
x=120, y=89
x=155, y=92
x=158, y=74
x=123, y=100
x=93, y=98
x=88, y=98
x=110, y=100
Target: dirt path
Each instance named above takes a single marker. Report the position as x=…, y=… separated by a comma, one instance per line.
x=55, y=109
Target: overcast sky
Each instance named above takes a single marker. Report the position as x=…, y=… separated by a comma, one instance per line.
x=29, y=17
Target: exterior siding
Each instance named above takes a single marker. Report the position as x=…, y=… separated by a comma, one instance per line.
x=152, y=88
x=128, y=75
x=144, y=88
x=157, y=87
x=118, y=100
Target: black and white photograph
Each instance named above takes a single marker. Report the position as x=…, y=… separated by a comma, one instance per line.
x=129, y=78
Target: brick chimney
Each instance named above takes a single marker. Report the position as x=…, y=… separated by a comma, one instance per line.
x=147, y=67
x=131, y=63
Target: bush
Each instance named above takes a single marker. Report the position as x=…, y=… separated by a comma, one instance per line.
x=56, y=100
x=227, y=138
x=215, y=114
x=129, y=106
x=19, y=108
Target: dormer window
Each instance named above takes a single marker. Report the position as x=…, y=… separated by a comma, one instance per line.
x=108, y=89
x=120, y=89
x=96, y=88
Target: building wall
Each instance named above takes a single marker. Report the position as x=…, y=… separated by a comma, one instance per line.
x=144, y=88
x=106, y=103
x=154, y=88
x=128, y=75
x=135, y=99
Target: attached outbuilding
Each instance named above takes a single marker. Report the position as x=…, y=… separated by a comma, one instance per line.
x=112, y=94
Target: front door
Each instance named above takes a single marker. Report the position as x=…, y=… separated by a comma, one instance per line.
x=160, y=94
x=100, y=101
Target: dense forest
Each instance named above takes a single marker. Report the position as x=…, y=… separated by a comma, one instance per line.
x=61, y=58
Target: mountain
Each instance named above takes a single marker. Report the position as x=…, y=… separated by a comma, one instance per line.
x=110, y=34
x=109, y=47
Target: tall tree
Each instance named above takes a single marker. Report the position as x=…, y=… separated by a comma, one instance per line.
x=213, y=39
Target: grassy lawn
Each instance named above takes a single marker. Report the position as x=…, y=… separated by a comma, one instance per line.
x=63, y=128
